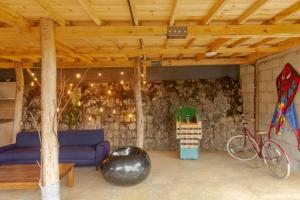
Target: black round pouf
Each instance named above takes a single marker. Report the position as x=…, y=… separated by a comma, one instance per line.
x=126, y=166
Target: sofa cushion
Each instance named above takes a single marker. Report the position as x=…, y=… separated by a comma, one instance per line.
x=28, y=139
x=81, y=137
x=77, y=153
x=20, y=154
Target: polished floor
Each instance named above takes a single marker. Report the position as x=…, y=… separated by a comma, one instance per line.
x=213, y=176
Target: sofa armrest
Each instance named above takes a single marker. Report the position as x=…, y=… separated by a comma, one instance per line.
x=102, y=150
x=7, y=147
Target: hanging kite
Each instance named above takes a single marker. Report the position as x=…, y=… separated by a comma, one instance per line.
x=287, y=84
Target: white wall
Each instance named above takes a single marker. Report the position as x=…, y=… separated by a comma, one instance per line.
x=268, y=70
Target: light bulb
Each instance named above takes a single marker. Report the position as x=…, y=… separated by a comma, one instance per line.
x=122, y=73
x=109, y=91
x=35, y=79
x=114, y=111
x=90, y=118
x=71, y=84
x=78, y=103
x=32, y=74
x=57, y=109
x=69, y=91
x=144, y=82
x=130, y=115
x=122, y=82
x=32, y=84
x=142, y=75
x=92, y=84
x=78, y=75
x=101, y=109
x=99, y=74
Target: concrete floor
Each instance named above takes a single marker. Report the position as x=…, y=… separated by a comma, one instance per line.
x=214, y=176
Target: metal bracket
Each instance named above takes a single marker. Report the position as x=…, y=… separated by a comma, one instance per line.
x=177, y=32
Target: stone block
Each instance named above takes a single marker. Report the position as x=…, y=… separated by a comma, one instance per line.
x=266, y=75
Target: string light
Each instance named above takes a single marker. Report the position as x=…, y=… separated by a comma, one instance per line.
x=114, y=111
x=78, y=103
x=109, y=92
x=32, y=84
x=71, y=84
x=99, y=74
x=57, y=109
x=90, y=118
x=144, y=82
x=122, y=82
x=35, y=79
x=130, y=115
x=69, y=91
x=32, y=74
x=142, y=75
x=122, y=73
x=101, y=109
x=92, y=84
x=78, y=75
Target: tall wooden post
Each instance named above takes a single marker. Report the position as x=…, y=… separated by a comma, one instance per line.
x=138, y=104
x=50, y=167
x=19, y=101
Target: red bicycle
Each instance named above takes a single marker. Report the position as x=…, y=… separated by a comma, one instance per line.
x=248, y=146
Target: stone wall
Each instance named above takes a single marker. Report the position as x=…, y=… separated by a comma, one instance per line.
x=269, y=68
x=91, y=106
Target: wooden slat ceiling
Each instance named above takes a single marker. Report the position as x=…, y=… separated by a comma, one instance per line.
x=112, y=33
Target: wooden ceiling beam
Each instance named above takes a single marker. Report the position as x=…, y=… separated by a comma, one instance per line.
x=280, y=17
x=131, y=4
x=135, y=52
x=250, y=11
x=211, y=13
x=13, y=19
x=89, y=10
x=60, y=45
x=174, y=11
x=50, y=12
x=284, y=14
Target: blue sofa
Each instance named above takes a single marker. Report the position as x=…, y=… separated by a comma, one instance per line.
x=82, y=147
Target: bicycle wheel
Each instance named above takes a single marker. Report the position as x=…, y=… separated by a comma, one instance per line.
x=276, y=160
x=242, y=147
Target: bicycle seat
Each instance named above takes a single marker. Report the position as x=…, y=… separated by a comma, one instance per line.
x=262, y=133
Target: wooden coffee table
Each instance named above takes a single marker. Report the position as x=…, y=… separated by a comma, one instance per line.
x=26, y=176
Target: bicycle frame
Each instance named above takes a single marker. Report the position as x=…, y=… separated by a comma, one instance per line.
x=259, y=140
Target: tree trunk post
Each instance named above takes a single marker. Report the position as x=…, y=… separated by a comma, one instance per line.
x=19, y=101
x=49, y=155
x=138, y=104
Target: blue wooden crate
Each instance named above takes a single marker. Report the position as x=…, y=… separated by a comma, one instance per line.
x=189, y=153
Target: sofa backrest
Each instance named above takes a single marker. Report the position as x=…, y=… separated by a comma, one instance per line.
x=65, y=138
x=28, y=139
x=81, y=137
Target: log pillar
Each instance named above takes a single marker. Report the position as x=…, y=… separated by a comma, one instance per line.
x=49, y=147
x=138, y=104
x=19, y=101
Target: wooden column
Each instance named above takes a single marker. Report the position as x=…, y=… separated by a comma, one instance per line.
x=138, y=104
x=19, y=101
x=50, y=167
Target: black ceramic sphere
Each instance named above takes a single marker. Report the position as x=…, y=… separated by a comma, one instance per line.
x=126, y=166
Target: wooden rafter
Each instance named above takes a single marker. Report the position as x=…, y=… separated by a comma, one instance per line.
x=11, y=18
x=242, y=19
x=71, y=51
x=50, y=12
x=132, y=8
x=88, y=9
x=284, y=14
x=280, y=17
x=174, y=11
x=217, y=6
x=250, y=11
